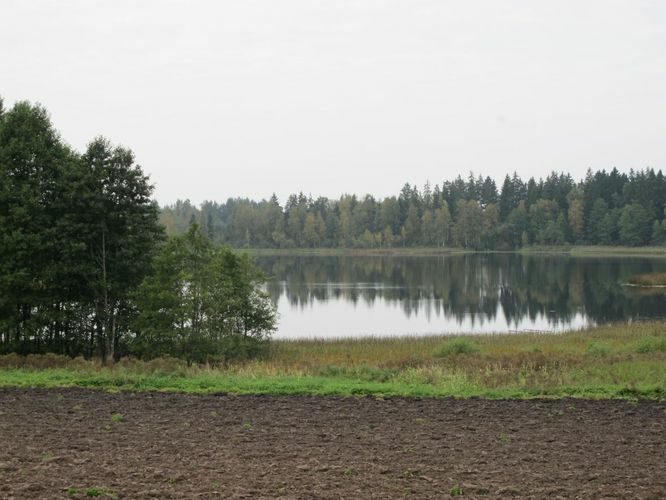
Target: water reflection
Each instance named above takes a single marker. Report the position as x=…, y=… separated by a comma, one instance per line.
x=346, y=296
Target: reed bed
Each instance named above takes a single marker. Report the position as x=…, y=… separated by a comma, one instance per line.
x=650, y=279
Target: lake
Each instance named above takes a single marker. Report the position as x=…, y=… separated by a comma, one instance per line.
x=352, y=296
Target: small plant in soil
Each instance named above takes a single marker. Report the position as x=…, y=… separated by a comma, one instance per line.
x=91, y=492
x=456, y=491
x=117, y=418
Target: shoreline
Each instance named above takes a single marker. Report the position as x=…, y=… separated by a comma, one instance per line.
x=607, y=362
x=572, y=251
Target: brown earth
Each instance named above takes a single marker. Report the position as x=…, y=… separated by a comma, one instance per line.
x=60, y=443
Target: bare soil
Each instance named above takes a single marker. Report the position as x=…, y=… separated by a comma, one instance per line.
x=76, y=442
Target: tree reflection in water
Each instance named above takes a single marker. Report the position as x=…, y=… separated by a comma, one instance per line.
x=475, y=288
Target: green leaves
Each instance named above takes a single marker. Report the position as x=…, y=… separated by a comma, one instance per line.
x=77, y=233
x=202, y=303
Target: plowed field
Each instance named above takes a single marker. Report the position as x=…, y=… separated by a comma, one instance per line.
x=80, y=443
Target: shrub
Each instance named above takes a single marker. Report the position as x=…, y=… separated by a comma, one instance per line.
x=598, y=349
x=241, y=348
x=457, y=346
x=651, y=344
x=202, y=303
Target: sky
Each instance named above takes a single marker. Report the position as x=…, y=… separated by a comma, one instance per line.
x=244, y=98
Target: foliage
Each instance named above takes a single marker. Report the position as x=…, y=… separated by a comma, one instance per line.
x=605, y=208
x=635, y=225
x=201, y=303
x=650, y=344
x=598, y=349
x=456, y=491
x=77, y=234
x=457, y=346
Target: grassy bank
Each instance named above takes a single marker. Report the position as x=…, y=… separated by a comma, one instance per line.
x=582, y=250
x=605, y=362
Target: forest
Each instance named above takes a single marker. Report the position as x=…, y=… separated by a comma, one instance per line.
x=86, y=269
x=604, y=208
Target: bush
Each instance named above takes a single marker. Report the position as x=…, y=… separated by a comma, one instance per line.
x=241, y=348
x=651, y=344
x=202, y=303
x=457, y=346
x=598, y=350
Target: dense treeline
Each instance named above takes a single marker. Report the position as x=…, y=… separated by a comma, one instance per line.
x=605, y=208
x=79, y=237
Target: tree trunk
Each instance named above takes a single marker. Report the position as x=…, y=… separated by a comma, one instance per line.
x=111, y=339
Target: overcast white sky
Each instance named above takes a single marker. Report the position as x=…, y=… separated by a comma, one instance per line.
x=250, y=97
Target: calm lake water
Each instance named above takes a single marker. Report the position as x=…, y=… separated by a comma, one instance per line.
x=325, y=297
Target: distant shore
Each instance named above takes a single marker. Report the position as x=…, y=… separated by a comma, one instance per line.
x=578, y=251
